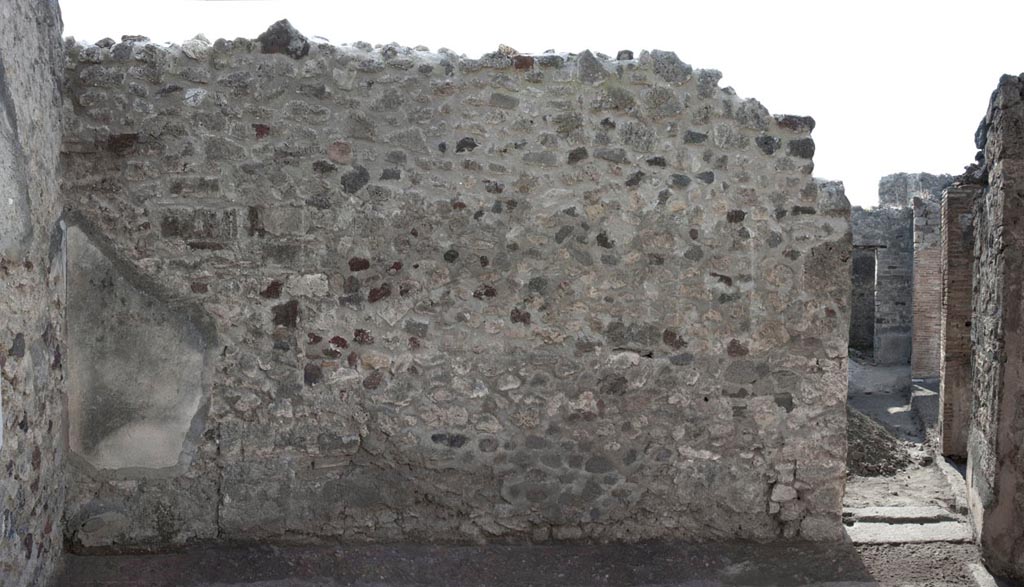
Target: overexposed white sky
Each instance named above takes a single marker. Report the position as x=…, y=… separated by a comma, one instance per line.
x=897, y=85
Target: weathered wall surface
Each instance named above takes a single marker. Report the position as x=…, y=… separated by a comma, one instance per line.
x=890, y=232
x=862, y=304
x=520, y=297
x=995, y=465
x=927, y=300
x=957, y=261
x=899, y=189
x=31, y=293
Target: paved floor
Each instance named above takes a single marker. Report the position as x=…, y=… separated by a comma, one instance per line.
x=661, y=565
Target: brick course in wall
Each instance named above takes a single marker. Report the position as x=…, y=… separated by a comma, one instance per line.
x=957, y=263
x=522, y=297
x=927, y=302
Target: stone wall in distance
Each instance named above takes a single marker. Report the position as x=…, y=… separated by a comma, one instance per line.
x=32, y=348
x=509, y=298
x=890, y=233
x=899, y=189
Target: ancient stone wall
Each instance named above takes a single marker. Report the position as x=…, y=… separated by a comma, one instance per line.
x=890, y=233
x=995, y=466
x=31, y=294
x=957, y=261
x=434, y=298
x=899, y=189
x=927, y=301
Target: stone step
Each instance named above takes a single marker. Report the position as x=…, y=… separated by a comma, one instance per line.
x=913, y=533
x=901, y=515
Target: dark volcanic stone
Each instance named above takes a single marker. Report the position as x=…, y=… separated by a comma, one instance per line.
x=17, y=349
x=577, y=155
x=286, y=314
x=680, y=181
x=358, y=264
x=694, y=138
x=635, y=179
x=795, y=123
x=355, y=180
x=283, y=38
x=768, y=144
x=312, y=374
x=450, y=440
x=465, y=144
x=803, y=148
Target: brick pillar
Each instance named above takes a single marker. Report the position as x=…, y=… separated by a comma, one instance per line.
x=957, y=257
x=927, y=296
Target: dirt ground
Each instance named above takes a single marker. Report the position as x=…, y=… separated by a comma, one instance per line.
x=884, y=395
x=649, y=565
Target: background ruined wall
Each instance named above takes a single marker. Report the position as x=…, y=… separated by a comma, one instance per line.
x=519, y=297
x=890, y=233
x=31, y=294
x=899, y=189
x=995, y=472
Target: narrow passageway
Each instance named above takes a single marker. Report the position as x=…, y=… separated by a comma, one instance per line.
x=899, y=489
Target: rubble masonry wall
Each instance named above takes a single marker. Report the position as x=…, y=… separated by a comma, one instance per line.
x=517, y=297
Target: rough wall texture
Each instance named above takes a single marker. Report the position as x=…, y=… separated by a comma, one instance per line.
x=520, y=297
x=927, y=301
x=862, y=304
x=31, y=293
x=957, y=261
x=890, y=232
x=899, y=189
x=995, y=471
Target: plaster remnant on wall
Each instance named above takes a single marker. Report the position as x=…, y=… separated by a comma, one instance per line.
x=15, y=211
x=136, y=365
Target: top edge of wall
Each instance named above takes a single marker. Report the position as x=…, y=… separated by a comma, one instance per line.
x=282, y=38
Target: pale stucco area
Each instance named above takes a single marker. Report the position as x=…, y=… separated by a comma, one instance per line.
x=135, y=371
x=15, y=213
